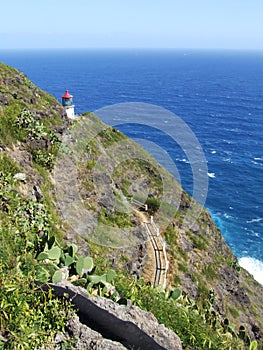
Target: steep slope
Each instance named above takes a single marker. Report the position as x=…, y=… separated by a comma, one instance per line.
x=113, y=172
x=77, y=182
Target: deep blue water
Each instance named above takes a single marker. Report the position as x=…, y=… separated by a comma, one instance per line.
x=218, y=94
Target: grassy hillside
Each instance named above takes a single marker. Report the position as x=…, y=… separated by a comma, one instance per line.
x=211, y=303
x=30, y=123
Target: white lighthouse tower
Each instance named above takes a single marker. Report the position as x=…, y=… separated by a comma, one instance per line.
x=67, y=103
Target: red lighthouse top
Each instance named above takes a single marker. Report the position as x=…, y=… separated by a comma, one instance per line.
x=67, y=95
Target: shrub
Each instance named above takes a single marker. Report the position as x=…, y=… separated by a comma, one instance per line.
x=153, y=205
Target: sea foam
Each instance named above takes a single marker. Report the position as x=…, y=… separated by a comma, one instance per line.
x=212, y=175
x=254, y=266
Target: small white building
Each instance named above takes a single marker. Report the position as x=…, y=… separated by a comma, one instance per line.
x=67, y=103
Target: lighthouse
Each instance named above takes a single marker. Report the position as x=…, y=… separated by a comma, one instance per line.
x=67, y=103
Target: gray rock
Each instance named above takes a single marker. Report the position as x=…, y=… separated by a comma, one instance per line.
x=107, y=199
x=38, y=193
x=20, y=177
x=4, y=99
x=144, y=320
x=90, y=339
x=130, y=315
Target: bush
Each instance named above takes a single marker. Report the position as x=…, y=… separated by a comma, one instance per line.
x=153, y=205
x=29, y=318
x=197, y=325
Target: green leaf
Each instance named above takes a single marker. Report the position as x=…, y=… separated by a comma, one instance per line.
x=104, y=290
x=103, y=278
x=88, y=264
x=42, y=256
x=84, y=265
x=57, y=277
x=95, y=279
x=79, y=266
x=42, y=275
x=111, y=274
x=253, y=345
x=68, y=260
x=89, y=286
x=80, y=282
x=176, y=294
x=54, y=253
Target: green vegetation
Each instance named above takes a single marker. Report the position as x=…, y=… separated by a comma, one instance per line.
x=145, y=172
x=182, y=267
x=28, y=316
x=7, y=166
x=153, y=205
x=29, y=251
x=170, y=235
x=32, y=247
x=18, y=94
x=198, y=241
x=61, y=262
x=197, y=324
x=210, y=272
x=109, y=136
x=234, y=312
x=27, y=129
x=116, y=219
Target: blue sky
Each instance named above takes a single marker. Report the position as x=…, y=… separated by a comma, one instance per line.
x=230, y=24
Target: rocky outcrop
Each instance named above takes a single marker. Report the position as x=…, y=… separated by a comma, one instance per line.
x=138, y=261
x=203, y=261
x=87, y=338
x=128, y=326
x=144, y=320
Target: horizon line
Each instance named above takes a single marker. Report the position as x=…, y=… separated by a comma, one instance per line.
x=134, y=48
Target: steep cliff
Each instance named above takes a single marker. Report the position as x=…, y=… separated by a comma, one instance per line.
x=78, y=182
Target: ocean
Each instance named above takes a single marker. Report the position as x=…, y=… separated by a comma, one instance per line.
x=217, y=94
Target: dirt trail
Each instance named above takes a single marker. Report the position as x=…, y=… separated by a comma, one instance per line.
x=155, y=269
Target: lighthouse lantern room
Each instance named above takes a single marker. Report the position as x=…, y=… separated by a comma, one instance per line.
x=67, y=103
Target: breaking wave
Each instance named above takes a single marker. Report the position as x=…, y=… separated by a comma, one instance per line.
x=254, y=266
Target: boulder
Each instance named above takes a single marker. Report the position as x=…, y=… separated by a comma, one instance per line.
x=20, y=177
x=128, y=326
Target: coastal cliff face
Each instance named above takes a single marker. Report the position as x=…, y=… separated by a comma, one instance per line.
x=84, y=176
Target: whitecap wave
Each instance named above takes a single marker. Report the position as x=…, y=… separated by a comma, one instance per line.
x=212, y=175
x=227, y=216
x=254, y=220
x=183, y=160
x=229, y=160
x=254, y=266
